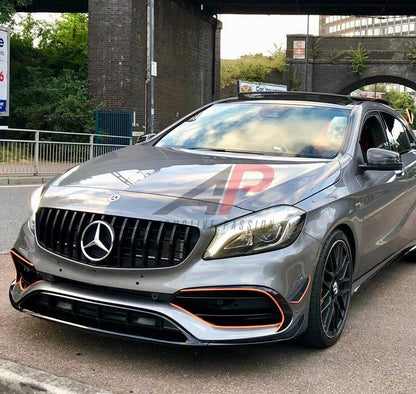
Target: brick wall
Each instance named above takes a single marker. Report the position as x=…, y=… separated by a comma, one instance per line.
x=186, y=51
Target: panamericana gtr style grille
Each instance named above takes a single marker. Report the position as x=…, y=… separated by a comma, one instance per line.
x=137, y=243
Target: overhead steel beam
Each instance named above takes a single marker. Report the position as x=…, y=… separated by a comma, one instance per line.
x=56, y=6
x=293, y=7
x=318, y=7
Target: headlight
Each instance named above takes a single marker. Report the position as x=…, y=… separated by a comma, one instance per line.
x=273, y=228
x=34, y=204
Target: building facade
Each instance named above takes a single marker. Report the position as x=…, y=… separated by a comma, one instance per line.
x=354, y=26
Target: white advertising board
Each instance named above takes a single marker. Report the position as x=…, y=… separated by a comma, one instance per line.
x=259, y=87
x=4, y=71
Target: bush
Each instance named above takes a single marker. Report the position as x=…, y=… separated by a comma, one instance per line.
x=252, y=67
x=48, y=82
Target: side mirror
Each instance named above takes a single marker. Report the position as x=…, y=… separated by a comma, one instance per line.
x=145, y=137
x=382, y=160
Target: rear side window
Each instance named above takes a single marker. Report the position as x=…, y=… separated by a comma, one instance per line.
x=396, y=133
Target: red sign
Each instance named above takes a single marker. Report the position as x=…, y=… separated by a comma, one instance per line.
x=299, y=50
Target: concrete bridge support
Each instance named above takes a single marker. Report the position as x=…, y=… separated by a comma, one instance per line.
x=187, y=52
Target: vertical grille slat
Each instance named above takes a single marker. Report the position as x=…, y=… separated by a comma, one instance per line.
x=53, y=234
x=71, y=234
x=62, y=234
x=186, y=241
x=138, y=243
x=47, y=230
x=120, y=243
x=159, y=246
x=171, y=247
x=145, y=246
x=132, y=243
x=77, y=237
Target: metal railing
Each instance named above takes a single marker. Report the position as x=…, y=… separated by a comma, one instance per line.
x=39, y=152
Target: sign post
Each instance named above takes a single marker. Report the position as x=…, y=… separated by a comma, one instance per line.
x=4, y=71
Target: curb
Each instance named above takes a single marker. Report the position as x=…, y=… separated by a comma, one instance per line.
x=33, y=180
x=18, y=379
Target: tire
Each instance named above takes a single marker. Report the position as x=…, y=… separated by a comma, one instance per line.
x=330, y=293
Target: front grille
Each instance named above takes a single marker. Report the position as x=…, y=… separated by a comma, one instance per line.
x=138, y=243
x=102, y=317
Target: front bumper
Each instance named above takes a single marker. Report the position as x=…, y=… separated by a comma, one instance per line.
x=264, y=302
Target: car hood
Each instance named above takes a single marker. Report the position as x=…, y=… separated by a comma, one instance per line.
x=251, y=182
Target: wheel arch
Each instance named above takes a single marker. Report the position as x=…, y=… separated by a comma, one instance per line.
x=351, y=239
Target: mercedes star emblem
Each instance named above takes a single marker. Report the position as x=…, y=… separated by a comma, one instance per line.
x=97, y=240
x=114, y=197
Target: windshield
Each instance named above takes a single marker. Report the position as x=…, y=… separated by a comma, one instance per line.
x=263, y=128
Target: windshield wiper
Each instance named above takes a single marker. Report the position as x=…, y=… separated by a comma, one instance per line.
x=226, y=150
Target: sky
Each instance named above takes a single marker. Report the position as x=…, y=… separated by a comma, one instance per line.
x=245, y=34
x=250, y=34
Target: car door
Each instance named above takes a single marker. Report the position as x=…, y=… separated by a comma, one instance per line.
x=383, y=206
x=402, y=141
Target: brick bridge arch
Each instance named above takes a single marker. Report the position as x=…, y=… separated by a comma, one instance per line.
x=329, y=63
x=378, y=79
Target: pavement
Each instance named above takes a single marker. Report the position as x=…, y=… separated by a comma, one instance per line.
x=23, y=180
x=18, y=378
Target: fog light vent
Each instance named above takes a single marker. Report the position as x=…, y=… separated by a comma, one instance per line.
x=231, y=307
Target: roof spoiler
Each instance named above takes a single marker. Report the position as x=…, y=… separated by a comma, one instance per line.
x=307, y=96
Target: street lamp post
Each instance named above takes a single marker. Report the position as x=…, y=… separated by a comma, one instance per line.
x=151, y=68
x=306, y=54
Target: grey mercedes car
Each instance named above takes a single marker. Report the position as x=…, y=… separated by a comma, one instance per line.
x=254, y=219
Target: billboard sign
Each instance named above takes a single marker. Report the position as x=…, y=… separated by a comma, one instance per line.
x=299, y=50
x=259, y=87
x=4, y=70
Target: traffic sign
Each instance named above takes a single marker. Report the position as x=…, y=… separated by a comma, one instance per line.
x=4, y=70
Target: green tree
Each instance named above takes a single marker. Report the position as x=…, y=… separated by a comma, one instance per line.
x=399, y=100
x=252, y=67
x=7, y=8
x=65, y=43
x=48, y=84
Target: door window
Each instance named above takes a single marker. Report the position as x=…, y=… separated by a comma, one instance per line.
x=396, y=133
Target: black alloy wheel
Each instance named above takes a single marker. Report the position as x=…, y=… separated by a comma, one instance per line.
x=331, y=292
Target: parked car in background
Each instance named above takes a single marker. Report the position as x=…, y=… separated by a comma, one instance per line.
x=254, y=219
